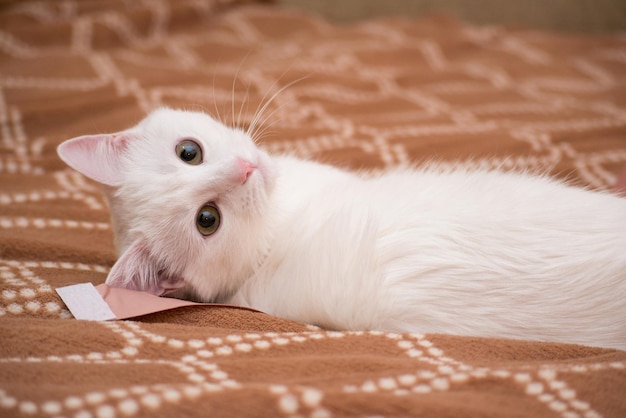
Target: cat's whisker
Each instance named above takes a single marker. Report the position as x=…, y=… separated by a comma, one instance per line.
x=263, y=103
x=232, y=98
x=236, y=122
x=261, y=134
x=260, y=114
x=245, y=100
x=264, y=127
x=217, y=110
x=232, y=101
x=257, y=110
x=262, y=117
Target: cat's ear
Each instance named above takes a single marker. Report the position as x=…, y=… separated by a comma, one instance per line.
x=136, y=269
x=96, y=156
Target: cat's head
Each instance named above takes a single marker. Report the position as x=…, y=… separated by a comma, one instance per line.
x=189, y=201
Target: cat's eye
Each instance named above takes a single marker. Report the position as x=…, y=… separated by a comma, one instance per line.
x=208, y=219
x=189, y=151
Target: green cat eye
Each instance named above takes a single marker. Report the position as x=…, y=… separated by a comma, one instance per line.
x=189, y=151
x=208, y=219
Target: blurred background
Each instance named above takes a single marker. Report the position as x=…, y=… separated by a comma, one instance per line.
x=588, y=16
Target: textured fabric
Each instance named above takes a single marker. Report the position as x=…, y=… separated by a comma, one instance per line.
x=366, y=96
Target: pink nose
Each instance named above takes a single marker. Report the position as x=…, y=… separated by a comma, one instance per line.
x=246, y=168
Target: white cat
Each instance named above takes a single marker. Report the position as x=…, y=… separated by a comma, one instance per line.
x=198, y=209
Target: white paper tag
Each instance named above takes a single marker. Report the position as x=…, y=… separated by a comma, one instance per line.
x=84, y=302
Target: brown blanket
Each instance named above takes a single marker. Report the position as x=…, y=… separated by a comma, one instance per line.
x=371, y=95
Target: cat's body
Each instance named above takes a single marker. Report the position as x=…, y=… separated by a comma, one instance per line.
x=482, y=253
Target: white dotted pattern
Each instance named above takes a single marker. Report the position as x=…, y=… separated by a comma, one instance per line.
x=198, y=359
x=40, y=223
x=22, y=286
x=435, y=372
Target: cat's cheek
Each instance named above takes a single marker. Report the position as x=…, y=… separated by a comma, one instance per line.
x=267, y=169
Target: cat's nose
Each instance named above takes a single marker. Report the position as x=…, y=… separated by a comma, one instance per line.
x=245, y=169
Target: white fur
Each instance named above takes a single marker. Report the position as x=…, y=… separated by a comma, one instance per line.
x=484, y=253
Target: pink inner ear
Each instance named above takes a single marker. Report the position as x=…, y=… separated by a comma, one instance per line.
x=136, y=270
x=96, y=156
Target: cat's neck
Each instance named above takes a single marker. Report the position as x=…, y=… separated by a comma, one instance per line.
x=297, y=181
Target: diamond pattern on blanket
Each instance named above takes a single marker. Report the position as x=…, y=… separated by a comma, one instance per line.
x=372, y=95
